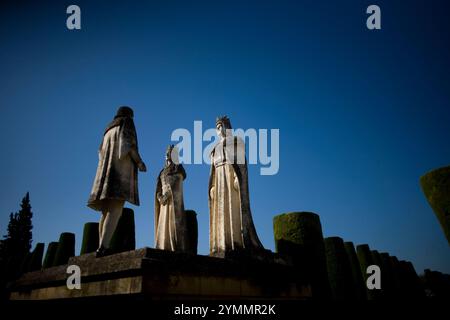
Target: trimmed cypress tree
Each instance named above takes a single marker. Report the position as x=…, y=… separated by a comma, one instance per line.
x=36, y=258
x=437, y=285
x=123, y=238
x=192, y=231
x=339, y=270
x=66, y=248
x=377, y=261
x=436, y=187
x=365, y=260
x=388, y=281
x=413, y=288
x=24, y=263
x=398, y=278
x=90, y=238
x=50, y=255
x=357, y=278
x=299, y=235
x=15, y=248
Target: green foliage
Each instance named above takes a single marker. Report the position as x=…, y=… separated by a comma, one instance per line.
x=388, y=276
x=66, y=248
x=299, y=235
x=436, y=187
x=410, y=281
x=339, y=270
x=90, y=238
x=398, y=281
x=365, y=260
x=36, y=258
x=380, y=294
x=50, y=255
x=23, y=267
x=15, y=247
x=123, y=238
x=18, y=240
x=192, y=231
x=357, y=278
x=300, y=228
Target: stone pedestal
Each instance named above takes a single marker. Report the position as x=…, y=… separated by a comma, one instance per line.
x=162, y=275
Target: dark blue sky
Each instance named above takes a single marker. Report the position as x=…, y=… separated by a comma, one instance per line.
x=362, y=114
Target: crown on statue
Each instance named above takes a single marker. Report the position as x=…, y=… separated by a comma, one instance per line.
x=224, y=120
x=169, y=149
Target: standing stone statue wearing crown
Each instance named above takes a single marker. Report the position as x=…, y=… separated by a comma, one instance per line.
x=116, y=178
x=170, y=220
x=231, y=225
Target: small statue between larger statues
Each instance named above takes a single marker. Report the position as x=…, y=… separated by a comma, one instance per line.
x=170, y=219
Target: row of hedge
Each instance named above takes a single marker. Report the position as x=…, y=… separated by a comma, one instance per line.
x=59, y=253
x=335, y=268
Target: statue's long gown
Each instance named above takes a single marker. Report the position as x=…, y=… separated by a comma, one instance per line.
x=231, y=223
x=170, y=220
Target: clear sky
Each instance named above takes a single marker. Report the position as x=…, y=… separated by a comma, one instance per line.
x=362, y=114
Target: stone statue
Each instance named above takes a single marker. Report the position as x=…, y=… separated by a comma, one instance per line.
x=170, y=219
x=231, y=225
x=116, y=178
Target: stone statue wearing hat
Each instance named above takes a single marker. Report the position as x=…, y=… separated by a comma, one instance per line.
x=116, y=180
x=170, y=220
x=231, y=225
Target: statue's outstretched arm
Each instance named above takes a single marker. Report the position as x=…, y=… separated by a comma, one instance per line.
x=138, y=160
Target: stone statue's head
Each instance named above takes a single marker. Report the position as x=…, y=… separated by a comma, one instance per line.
x=222, y=125
x=124, y=111
x=172, y=154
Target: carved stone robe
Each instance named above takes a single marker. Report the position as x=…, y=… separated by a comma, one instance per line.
x=116, y=176
x=170, y=220
x=231, y=225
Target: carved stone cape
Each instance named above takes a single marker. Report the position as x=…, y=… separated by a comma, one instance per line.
x=116, y=176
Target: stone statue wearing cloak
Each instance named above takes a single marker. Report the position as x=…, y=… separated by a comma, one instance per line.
x=116, y=178
x=170, y=219
x=231, y=225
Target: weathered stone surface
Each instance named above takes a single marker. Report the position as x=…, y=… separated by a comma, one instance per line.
x=231, y=224
x=159, y=274
x=170, y=218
